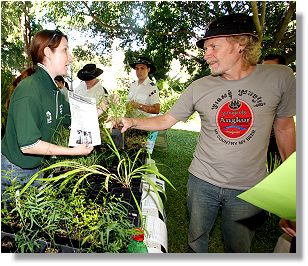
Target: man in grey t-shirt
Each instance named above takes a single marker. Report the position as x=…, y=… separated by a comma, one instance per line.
x=238, y=105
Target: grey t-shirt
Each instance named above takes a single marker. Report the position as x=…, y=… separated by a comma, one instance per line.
x=236, y=121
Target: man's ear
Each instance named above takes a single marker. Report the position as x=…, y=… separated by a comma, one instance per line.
x=241, y=48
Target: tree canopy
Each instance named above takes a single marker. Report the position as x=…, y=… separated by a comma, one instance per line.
x=162, y=30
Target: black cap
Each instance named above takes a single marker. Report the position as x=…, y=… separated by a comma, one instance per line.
x=234, y=24
x=88, y=72
x=145, y=61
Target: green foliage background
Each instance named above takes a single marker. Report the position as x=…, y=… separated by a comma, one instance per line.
x=161, y=30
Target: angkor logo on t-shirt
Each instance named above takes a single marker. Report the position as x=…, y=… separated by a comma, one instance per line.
x=234, y=119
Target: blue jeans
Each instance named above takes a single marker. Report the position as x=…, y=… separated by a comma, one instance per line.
x=238, y=217
x=10, y=171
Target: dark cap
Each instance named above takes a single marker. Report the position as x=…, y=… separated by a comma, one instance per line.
x=88, y=72
x=145, y=61
x=234, y=24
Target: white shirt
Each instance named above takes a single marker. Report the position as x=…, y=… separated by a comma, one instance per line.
x=97, y=91
x=144, y=93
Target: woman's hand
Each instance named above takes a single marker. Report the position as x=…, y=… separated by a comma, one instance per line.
x=114, y=98
x=82, y=149
x=102, y=107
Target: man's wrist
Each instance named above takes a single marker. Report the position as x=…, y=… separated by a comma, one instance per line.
x=134, y=123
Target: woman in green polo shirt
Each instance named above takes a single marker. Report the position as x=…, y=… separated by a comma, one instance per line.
x=36, y=109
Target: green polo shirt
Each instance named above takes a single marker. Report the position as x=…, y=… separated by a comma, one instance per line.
x=36, y=110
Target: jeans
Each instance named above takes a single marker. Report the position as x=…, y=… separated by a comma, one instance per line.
x=10, y=171
x=239, y=218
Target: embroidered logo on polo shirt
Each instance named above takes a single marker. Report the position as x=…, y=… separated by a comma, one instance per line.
x=234, y=119
x=48, y=117
x=152, y=93
x=61, y=109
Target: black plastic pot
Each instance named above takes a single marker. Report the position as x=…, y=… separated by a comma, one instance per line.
x=8, y=243
x=117, y=138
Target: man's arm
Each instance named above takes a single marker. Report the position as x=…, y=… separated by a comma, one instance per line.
x=159, y=122
x=284, y=129
x=148, y=108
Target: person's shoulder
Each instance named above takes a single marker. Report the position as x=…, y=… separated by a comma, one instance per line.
x=80, y=86
x=149, y=82
x=275, y=68
x=27, y=88
x=31, y=83
x=204, y=79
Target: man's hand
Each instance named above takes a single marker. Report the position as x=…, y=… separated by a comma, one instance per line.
x=134, y=104
x=288, y=227
x=123, y=123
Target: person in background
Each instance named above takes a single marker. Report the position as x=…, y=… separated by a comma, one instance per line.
x=36, y=110
x=274, y=59
x=90, y=86
x=62, y=85
x=287, y=241
x=273, y=157
x=237, y=104
x=143, y=94
x=143, y=98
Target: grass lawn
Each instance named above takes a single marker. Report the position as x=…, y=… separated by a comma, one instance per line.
x=173, y=162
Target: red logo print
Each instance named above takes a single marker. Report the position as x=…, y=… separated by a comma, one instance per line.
x=234, y=119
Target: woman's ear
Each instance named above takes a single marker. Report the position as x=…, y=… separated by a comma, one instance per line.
x=47, y=52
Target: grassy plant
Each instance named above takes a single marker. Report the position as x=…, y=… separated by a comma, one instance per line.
x=274, y=161
x=117, y=106
x=129, y=169
x=75, y=174
x=39, y=214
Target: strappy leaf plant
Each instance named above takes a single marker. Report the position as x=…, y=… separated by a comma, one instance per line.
x=74, y=176
x=129, y=169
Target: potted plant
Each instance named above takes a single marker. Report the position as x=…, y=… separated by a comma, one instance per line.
x=116, y=110
x=128, y=169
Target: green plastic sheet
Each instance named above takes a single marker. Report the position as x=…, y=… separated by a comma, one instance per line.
x=277, y=192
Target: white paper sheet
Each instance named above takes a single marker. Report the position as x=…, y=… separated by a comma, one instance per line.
x=84, y=121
